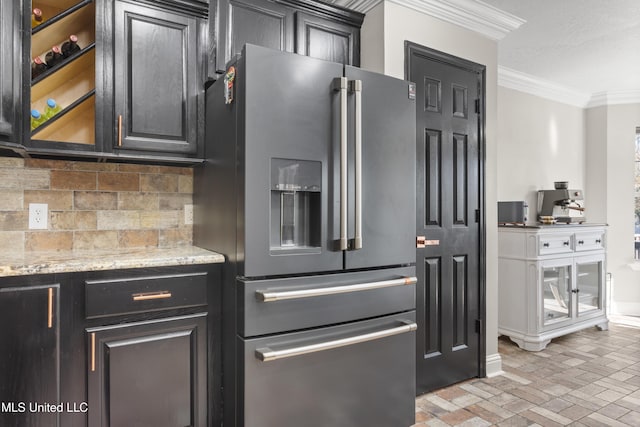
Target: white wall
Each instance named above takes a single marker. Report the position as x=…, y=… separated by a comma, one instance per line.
x=539, y=142
x=612, y=152
x=372, y=40
x=399, y=24
x=596, y=164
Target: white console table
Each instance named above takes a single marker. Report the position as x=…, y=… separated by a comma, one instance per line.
x=551, y=281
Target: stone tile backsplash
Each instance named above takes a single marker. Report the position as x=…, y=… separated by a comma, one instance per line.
x=93, y=206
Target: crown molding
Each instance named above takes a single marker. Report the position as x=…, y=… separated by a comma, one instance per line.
x=614, y=97
x=527, y=83
x=473, y=15
x=362, y=6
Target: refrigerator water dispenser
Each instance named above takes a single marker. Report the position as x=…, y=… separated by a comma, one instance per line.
x=295, y=205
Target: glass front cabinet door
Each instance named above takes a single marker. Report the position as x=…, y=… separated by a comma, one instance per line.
x=556, y=289
x=571, y=289
x=589, y=283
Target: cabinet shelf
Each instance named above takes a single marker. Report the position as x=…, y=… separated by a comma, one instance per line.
x=63, y=112
x=80, y=21
x=71, y=83
x=75, y=124
x=62, y=64
x=66, y=85
x=55, y=10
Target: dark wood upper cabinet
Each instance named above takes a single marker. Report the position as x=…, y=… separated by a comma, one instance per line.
x=135, y=92
x=158, y=82
x=10, y=71
x=307, y=27
x=327, y=39
x=259, y=22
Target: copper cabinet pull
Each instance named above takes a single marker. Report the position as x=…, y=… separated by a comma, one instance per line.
x=120, y=130
x=50, y=309
x=93, y=351
x=144, y=296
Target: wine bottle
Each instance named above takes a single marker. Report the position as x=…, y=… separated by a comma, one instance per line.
x=51, y=109
x=37, y=67
x=36, y=119
x=36, y=17
x=53, y=57
x=70, y=47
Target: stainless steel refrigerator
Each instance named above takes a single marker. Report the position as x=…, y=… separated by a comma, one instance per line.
x=308, y=189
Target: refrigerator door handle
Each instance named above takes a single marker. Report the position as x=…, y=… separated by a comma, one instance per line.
x=267, y=354
x=340, y=84
x=356, y=87
x=266, y=295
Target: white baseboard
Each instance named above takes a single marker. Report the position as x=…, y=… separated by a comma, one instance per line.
x=625, y=308
x=494, y=365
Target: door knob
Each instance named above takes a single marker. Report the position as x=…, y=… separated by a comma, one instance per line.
x=421, y=242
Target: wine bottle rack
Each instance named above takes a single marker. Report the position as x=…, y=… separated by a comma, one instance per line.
x=55, y=10
x=71, y=82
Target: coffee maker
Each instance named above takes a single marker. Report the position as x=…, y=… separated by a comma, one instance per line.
x=562, y=204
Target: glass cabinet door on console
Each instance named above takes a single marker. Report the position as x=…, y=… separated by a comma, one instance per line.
x=556, y=293
x=589, y=283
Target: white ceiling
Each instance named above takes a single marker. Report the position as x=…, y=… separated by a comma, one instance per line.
x=590, y=46
x=581, y=52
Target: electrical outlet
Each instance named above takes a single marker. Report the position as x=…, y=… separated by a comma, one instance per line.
x=188, y=214
x=38, y=216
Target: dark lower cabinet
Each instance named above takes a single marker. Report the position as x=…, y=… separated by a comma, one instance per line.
x=29, y=355
x=150, y=373
x=118, y=348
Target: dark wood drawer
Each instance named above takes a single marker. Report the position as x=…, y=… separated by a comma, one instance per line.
x=141, y=294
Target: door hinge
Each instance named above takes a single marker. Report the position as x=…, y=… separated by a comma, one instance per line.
x=477, y=106
x=477, y=215
x=478, y=326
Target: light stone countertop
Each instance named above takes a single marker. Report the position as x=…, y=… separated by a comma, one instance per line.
x=68, y=262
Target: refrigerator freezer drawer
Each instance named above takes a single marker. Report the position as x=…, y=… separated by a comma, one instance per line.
x=353, y=384
x=278, y=305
